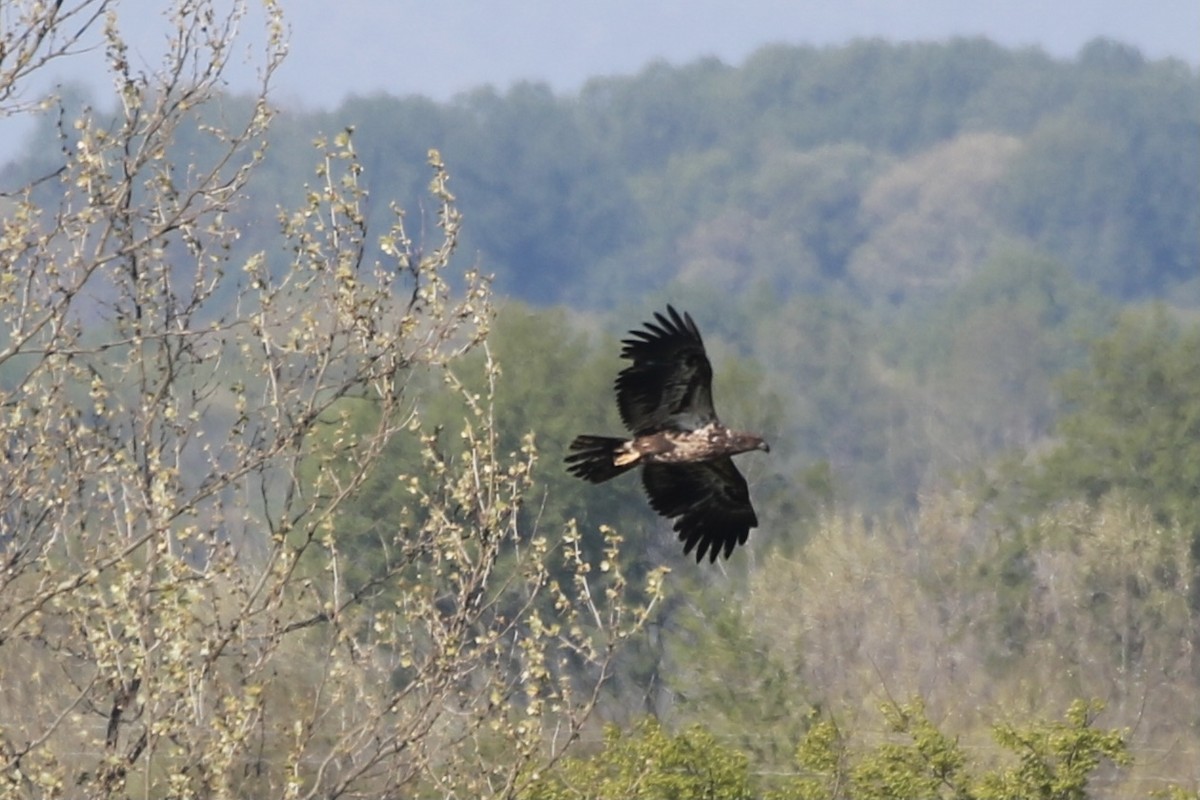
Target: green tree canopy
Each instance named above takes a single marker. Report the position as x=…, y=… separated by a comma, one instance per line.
x=1134, y=420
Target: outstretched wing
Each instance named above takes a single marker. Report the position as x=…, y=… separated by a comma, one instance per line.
x=669, y=383
x=708, y=500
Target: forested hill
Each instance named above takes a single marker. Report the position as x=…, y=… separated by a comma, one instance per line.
x=893, y=170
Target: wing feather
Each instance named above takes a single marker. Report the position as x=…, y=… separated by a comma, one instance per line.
x=669, y=384
x=709, y=502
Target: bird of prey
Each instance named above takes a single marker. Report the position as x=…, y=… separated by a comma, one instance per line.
x=665, y=399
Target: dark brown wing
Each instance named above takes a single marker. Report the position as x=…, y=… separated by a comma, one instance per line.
x=709, y=501
x=669, y=383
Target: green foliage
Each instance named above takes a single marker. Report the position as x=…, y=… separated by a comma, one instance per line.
x=1038, y=760
x=661, y=112
x=1101, y=182
x=545, y=196
x=1054, y=760
x=1033, y=290
x=1176, y=793
x=928, y=764
x=980, y=365
x=929, y=219
x=1134, y=421
x=651, y=764
x=717, y=670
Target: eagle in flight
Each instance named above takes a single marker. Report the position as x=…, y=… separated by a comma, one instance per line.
x=665, y=399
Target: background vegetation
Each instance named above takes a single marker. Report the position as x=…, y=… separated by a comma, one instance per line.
x=280, y=505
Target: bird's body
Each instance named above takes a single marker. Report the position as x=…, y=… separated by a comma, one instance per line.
x=665, y=399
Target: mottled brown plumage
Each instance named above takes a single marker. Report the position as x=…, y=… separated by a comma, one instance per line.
x=665, y=400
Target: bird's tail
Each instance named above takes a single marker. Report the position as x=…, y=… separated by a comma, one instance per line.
x=599, y=458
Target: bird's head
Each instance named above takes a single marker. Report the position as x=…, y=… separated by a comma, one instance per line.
x=745, y=442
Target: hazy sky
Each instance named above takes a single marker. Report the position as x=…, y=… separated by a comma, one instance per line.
x=441, y=47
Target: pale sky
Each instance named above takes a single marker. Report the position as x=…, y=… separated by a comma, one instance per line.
x=441, y=47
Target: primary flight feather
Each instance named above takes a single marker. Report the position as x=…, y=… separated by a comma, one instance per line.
x=665, y=400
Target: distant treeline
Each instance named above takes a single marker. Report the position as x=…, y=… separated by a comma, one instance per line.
x=796, y=166
x=803, y=170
